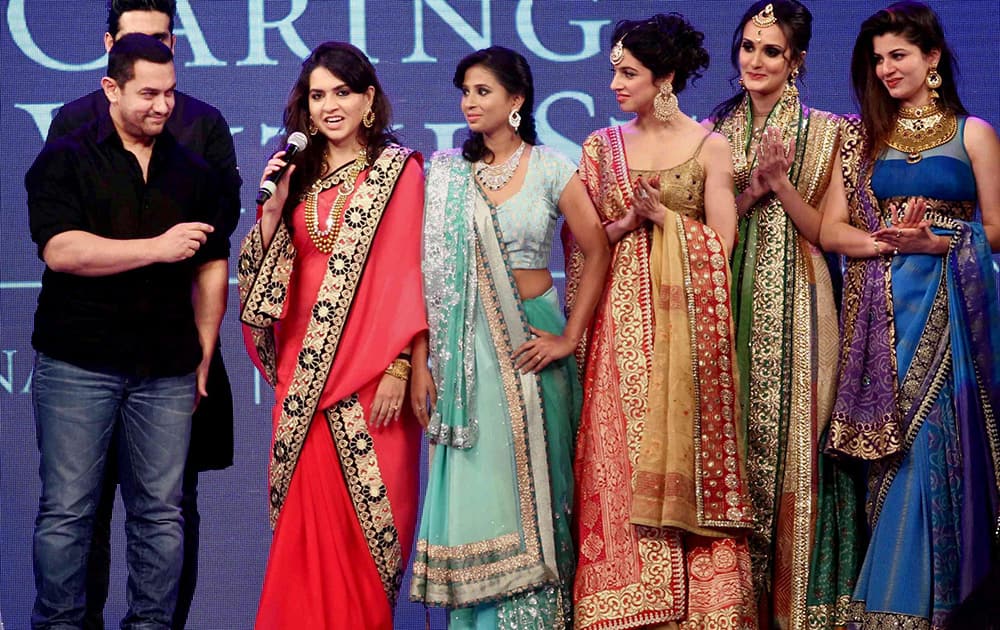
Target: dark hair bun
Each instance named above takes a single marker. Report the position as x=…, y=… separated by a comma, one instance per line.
x=664, y=44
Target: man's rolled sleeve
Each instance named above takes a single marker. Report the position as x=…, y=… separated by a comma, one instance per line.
x=53, y=196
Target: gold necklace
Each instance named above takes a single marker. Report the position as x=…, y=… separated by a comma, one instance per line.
x=921, y=128
x=325, y=239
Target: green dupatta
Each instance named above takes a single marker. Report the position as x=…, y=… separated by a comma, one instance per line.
x=464, y=557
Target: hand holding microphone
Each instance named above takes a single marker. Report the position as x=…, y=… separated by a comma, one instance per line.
x=269, y=184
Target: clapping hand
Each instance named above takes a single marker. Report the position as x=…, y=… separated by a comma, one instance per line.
x=774, y=158
x=646, y=200
x=912, y=233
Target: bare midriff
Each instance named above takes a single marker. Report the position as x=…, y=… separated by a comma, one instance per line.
x=532, y=282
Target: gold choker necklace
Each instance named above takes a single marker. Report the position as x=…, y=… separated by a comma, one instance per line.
x=921, y=128
x=325, y=239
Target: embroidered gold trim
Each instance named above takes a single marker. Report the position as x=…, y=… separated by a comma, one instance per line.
x=363, y=479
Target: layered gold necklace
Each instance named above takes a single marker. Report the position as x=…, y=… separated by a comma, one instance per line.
x=921, y=128
x=324, y=239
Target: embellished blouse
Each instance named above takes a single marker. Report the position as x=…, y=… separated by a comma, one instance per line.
x=682, y=187
x=528, y=219
x=943, y=174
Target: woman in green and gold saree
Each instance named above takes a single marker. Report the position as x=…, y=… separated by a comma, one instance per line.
x=804, y=547
x=494, y=540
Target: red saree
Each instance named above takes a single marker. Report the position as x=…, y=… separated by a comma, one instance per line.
x=322, y=329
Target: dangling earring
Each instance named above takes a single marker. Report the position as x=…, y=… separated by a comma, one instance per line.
x=934, y=81
x=792, y=91
x=313, y=130
x=742, y=86
x=665, y=104
x=514, y=119
x=368, y=118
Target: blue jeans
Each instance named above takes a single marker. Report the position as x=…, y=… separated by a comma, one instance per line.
x=76, y=411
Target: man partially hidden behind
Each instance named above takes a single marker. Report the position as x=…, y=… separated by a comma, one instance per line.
x=133, y=293
x=202, y=129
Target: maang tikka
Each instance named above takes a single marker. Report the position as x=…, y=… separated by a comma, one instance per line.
x=764, y=19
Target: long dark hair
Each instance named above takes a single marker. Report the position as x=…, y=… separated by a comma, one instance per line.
x=665, y=43
x=350, y=65
x=513, y=72
x=795, y=21
x=919, y=25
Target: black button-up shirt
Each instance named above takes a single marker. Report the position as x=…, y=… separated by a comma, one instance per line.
x=195, y=124
x=138, y=322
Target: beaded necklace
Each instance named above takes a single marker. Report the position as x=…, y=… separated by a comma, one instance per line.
x=325, y=239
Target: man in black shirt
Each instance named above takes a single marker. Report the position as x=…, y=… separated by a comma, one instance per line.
x=128, y=224
x=202, y=129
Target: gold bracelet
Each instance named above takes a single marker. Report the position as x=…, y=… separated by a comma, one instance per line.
x=400, y=368
x=875, y=245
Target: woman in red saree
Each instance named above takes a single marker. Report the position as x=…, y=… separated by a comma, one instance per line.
x=661, y=504
x=331, y=299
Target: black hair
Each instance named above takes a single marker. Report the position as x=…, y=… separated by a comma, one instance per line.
x=131, y=48
x=513, y=72
x=664, y=44
x=795, y=21
x=117, y=7
x=919, y=25
x=350, y=65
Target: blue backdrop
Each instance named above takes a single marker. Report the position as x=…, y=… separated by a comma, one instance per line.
x=243, y=56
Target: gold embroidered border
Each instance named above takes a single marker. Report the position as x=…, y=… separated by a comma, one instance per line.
x=719, y=491
x=801, y=445
x=459, y=552
x=263, y=281
x=886, y=621
x=329, y=316
x=363, y=479
x=515, y=405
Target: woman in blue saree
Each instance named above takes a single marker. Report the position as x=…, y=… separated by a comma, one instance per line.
x=494, y=541
x=919, y=387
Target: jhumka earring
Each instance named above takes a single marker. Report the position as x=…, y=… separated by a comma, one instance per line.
x=792, y=91
x=313, y=130
x=368, y=118
x=934, y=81
x=764, y=19
x=514, y=119
x=665, y=104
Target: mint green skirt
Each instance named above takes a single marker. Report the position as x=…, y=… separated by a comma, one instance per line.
x=468, y=493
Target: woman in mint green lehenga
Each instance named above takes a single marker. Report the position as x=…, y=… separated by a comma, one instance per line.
x=494, y=541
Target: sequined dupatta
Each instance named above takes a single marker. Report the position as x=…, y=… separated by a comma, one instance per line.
x=490, y=438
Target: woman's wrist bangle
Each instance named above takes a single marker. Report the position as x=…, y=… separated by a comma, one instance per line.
x=875, y=245
x=399, y=368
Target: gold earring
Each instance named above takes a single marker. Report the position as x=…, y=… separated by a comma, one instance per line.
x=934, y=81
x=313, y=130
x=792, y=90
x=368, y=118
x=665, y=104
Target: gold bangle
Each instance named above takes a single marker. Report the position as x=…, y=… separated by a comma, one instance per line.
x=875, y=245
x=400, y=368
